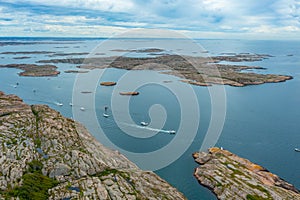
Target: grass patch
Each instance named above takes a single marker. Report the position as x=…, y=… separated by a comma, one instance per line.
x=262, y=189
x=35, y=186
x=107, y=172
x=219, y=154
x=38, y=142
x=219, y=184
x=83, y=150
x=255, y=197
x=35, y=166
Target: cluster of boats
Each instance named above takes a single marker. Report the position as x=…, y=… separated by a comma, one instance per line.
x=61, y=104
x=106, y=115
x=142, y=123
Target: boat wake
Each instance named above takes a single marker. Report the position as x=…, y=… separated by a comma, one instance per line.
x=40, y=101
x=58, y=103
x=110, y=122
x=149, y=128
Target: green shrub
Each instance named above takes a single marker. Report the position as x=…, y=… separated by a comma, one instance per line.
x=35, y=166
x=35, y=186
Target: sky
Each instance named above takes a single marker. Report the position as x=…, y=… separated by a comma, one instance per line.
x=227, y=19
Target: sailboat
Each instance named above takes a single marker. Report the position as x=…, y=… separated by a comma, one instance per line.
x=105, y=112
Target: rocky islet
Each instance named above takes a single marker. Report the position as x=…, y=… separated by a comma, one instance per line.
x=229, y=176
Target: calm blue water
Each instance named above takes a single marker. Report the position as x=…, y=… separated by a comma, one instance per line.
x=262, y=122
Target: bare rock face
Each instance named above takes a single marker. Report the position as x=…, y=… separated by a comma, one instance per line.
x=44, y=155
x=232, y=177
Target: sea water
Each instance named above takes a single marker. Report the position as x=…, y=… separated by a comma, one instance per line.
x=261, y=124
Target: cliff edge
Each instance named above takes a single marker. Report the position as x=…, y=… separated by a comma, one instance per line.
x=232, y=177
x=47, y=156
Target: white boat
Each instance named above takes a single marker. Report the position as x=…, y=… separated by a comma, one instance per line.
x=70, y=104
x=297, y=149
x=59, y=104
x=172, y=131
x=144, y=123
x=82, y=109
x=105, y=112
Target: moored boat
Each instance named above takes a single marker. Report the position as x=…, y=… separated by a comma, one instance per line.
x=144, y=123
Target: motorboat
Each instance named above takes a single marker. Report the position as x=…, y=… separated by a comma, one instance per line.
x=172, y=131
x=82, y=109
x=70, y=104
x=59, y=104
x=144, y=123
x=105, y=115
x=297, y=149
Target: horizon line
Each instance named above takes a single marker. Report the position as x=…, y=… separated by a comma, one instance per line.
x=174, y=38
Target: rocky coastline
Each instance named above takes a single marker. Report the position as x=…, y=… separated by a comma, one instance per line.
x=47, y=156
x=229, y=176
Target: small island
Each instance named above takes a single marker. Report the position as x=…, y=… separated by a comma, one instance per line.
x=108, y=83
x=129, y=93
x=201, y=71
x=68, y=54
x=26, y=52
x=229, y=176
x=86, y=92
x=147, y=50
x=21, y=57
x=76, y=71
x=34, y=70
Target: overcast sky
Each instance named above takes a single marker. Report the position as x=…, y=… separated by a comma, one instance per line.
x=250, y=19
